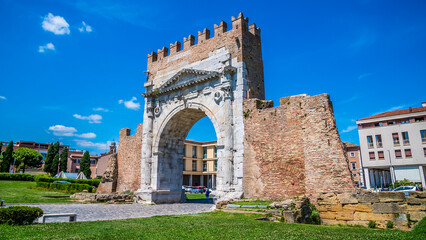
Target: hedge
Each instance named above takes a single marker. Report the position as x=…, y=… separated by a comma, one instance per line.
x=16, y=176
x=66, y=187
x=19, y=215
x=92, y=182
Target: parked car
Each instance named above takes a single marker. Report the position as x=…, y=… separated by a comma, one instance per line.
x=406, y=189
x=197, y=189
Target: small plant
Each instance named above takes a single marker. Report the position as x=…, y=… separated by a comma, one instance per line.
x=372, y=224
x=390, y=225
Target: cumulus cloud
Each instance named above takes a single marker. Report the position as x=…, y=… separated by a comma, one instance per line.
x=55, y=24
x=48, y=46
x=85, y=28
x=100, y=146
x=3, y=97
x=99, y=109
x=61, y=130
x=131, y=104
x=93, y=118
x=349, y=129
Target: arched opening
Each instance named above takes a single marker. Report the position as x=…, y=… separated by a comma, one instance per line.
x=178, y=163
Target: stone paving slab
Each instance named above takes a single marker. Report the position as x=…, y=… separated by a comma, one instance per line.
x=96, y=212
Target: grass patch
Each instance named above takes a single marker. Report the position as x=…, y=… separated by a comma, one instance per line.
x=215, y=225
x=256, y=202
x=18, y=192
x=195, y=196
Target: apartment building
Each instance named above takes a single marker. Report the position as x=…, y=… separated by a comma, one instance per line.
x=393, y=146
x=200, y=164
x=355, y=165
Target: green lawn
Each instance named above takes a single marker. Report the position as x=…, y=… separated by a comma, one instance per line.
x=215, y=225
x=18, y=192
x=195, y=196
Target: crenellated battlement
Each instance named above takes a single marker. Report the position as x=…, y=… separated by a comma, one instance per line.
x=239, y=24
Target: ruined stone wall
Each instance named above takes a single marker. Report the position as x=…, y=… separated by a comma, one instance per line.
x=360, y=209
x=129, y=160
x=293, y=149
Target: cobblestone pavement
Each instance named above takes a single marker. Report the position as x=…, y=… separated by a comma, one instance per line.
x=94, y=212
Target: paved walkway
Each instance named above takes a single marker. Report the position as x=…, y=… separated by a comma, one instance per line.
x=95, y=212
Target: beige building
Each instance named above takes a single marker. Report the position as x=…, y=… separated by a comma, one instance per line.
x=200, y=164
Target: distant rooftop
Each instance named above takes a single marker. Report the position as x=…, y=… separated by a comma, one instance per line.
x=397, y=112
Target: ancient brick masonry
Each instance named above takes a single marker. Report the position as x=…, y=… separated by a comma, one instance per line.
x=360, y=209
x=293, y=149
x=129, y=160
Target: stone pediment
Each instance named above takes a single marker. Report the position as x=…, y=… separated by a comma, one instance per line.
x=182, y=79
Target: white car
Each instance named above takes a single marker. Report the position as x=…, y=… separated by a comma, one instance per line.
x=406, y=189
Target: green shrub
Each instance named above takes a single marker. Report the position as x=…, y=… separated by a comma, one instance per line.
x=372, y=224
x=92, y=182
x=19, y=215
x=390, y=224
x=16, y=176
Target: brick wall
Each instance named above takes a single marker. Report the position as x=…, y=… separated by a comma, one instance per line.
x=129, y=160
x=293, y=149
x=360, y=209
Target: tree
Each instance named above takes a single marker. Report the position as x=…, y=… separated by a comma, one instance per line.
x=7, y=158
x=64, y=160
x=55, y=165
x=27, y=157
x=49, y=159
x=85, y=164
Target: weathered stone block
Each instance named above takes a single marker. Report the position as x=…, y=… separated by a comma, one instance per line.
x=391, y=196
x=417, y=216
x=368, y=198
x=388, y=208
x=347, y=198
x=360, y=207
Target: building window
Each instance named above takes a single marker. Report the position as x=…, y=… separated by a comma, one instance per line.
x=194, y=165
x=398, y=154
x=381, y=154
x=194, y=152
x=204, y=152
x=379, y=141
x=423, y=135
x=372, y=155
x=215, y=165
x=370, y=141
x=353, y=165
x=215, y=151
x=395, y=138
x=352, y=154
x=408, y=153
x=204, y=166
x=405, y=138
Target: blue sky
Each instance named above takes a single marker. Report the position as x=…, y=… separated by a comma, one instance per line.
x=72, y=71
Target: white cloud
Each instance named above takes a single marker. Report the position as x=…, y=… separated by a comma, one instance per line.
x=48, y=46
x=349, y=129
x=55, y=24
x=85, y=28
x=93, y=118
x=100, y=146
x=99, y=109
x=3, y=97
x=86, y=135
x=61, y=130
x=131, y=104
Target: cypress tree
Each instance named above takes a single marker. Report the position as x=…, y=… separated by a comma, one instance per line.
x=49, y=158
x=7, y=158
x=85, y=164
x=55, y=163
x=64, y=160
